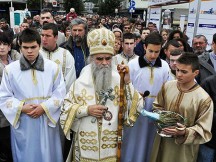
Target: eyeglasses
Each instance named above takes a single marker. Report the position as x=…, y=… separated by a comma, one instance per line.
x=103, y=58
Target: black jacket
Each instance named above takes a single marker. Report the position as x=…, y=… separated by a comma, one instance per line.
x=209, y=85
x=206, y=67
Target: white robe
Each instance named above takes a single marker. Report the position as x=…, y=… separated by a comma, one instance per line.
x=33, y=139
x=138, y=140
x=64, y=58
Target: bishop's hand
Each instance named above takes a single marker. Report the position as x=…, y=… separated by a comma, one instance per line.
x=96, y=110
x=123, y=69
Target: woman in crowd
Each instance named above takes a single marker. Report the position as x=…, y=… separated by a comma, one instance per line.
x=6, y=57
x=164, y=33
x=117, y=47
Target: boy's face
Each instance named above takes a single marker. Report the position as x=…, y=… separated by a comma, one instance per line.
x=152, y=52
x=30, y=50
x=184, y=73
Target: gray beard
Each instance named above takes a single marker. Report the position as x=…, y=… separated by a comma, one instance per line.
x=199, y=52
x=77, y=39
x=102, y=76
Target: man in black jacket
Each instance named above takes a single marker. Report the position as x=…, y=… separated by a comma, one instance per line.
x=207, y=63
x=207, y=152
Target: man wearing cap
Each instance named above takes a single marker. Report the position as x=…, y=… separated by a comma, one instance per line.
x=91, y=106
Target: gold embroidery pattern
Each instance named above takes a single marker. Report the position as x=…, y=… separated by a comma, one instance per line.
x=88, y=141
x=36, y=98
x=34, y=77
x=105, y=139
x=105, y=146
x=152, y=96
x=18, y=113
x=102, y=49
x=6, y=70
x=56, y=103
x=56, y=74
x=83, y=97
x=151, y=81
x=116, y=94
x=57, y=62
x=107, y=132
x=90, y=148
x=9, y=104
x=88, y=134
x=47, y=113
x=133, y=115
x=108, y=159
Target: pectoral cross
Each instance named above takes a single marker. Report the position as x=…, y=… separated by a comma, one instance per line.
x=106, y=95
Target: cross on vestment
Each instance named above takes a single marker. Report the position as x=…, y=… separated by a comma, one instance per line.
x=105, y=95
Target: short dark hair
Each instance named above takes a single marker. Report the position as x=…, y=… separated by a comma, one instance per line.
x=189, y=58
x=214, y=38
x=29, y=35
x=45, y=10
x=51, y=26
x=176, y=52
x=145, y=29
x=3, y=20
x=153, y=38
x=128, y=36
x=4, y=38
x=172, y=42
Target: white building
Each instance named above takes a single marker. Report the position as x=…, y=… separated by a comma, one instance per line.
x=141, y=7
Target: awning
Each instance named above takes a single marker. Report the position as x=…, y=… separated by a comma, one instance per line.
x=166, y=2
x=14, y=1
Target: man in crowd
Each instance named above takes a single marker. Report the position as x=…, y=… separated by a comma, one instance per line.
x=23, y=26
x=147, y=73
x=77, y=44
x=91, y=108
x=185, y=97
x=46, y=16
x=169, y=47
x=61, y=56
x=31, y=93
x=199, y=44
x=151, y=26
x=127, y=54
x=207, y=61
x=174, y=55
x=6, y=28
x=139, y=49
x=207, y=79
x=207, y=151
x=126, y=27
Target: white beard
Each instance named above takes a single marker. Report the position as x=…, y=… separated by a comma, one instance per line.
x=102, y=76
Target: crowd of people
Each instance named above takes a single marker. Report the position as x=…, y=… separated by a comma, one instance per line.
x=73, y=89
